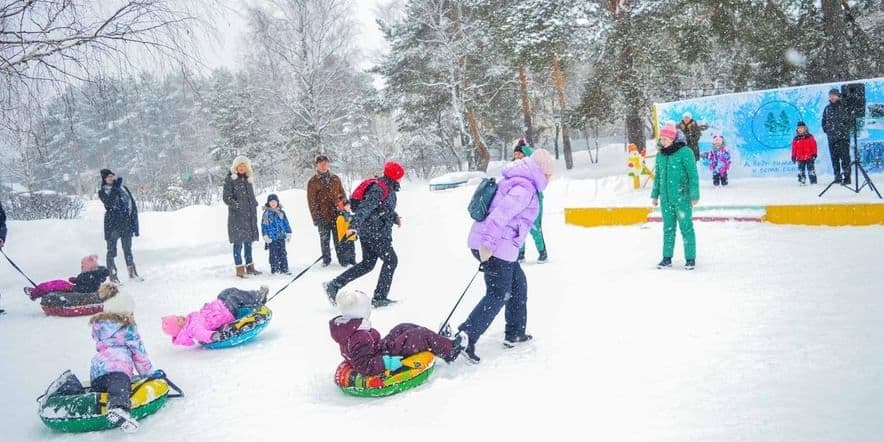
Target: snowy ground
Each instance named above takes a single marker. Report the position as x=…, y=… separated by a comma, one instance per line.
x=775, y=337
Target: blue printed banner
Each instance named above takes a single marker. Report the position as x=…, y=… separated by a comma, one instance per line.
x=758, y=126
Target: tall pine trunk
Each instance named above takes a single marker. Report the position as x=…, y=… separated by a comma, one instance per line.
x=483, y=156
x=834, y=66
x=526, y=105
x=560, y=92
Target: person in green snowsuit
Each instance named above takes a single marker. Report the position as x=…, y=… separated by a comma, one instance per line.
x=523, y=150
x=676, y=190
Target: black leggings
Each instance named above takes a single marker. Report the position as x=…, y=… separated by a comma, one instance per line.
x=118, y=387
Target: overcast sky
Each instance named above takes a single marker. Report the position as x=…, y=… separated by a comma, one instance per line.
x=231, y=25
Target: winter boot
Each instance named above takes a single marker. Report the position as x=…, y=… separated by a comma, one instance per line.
x=813, y=178
x=378, y=302
x=250, y=269
x=543, y=258
x=470, y=353
x=331, y=290
x=666, y=262
x=133, y=274
x=690, y=264
x=262, y=293
x=112, y=269
x=240, y=271
x=801, y=179
x=446, y=331
x=514, y=341
x=458, y=344
x=121, y=417
x=846, y=180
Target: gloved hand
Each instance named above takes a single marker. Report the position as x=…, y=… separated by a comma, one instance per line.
x=392, y=363
x=158, y=374
x=288, y=237
x=267, y=239
x=484, y=254
x=118, y=182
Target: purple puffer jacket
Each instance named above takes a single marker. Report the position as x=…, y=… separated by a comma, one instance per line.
x=512, y=212
x=119, y=349
x=363, y=349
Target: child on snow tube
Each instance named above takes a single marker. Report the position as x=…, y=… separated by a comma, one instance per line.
x=90, y=278
x=363, y=348
x=202, y=326
x=120, y=354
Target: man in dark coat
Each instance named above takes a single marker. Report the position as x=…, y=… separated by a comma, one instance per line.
x=375, y=215
x=837, y=125
x=324, y=190
x=242, y=214
x=120, y=222
x=2, y=226
x=693, y=131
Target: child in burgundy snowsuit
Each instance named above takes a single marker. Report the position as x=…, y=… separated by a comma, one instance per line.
x=363, y=348
x=202, y=326
x=804, y=153
x=90, y=278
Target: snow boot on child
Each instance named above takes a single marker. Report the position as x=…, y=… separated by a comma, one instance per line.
x=121, y=417
x=665, y=263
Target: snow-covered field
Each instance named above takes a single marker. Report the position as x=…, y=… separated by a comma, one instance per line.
x=777, y=336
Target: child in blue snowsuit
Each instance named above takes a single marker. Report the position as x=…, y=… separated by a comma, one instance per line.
x=277, y=231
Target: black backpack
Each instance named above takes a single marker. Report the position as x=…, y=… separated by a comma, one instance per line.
x=480, y=204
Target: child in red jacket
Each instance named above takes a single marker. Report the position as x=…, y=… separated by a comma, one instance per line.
x=362, y=346
x=804, y=153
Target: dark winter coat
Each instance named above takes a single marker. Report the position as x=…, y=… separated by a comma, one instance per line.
x=2, y=223
x=323, y=193
x=836, y=121
x=693, y=131
x=803, y=147
x=363, y=349
x=121, y=211
x=242, y=209
x=275, y=224
x=88, y=282
x=676, y=181
x=375, y=215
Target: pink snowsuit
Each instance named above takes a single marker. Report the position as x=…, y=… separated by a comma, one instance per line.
x=201, y=324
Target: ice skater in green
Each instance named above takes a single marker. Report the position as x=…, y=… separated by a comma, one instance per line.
x=676, y=190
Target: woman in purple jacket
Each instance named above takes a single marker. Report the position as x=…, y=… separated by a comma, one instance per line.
x=496, y=242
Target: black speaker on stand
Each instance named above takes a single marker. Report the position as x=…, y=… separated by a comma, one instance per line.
x=854, y=97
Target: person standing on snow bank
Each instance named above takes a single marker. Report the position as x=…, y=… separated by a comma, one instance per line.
x=495, y=242
x=374, y=202
x=277, y=231
x=836, y=125
x=804, y=152
x=719, y=160
x=523, y=150
x=693, y=131
x=324, y=190
x=242, y=214
x=676, y=190
x=362, y=346
x=120, y=222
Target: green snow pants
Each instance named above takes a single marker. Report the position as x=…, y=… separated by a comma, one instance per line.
x=682, y=214
x=536, y=233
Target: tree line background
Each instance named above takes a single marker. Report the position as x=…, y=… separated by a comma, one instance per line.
x=120, y=84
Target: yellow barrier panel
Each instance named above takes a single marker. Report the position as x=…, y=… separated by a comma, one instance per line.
x=827, y=215
x=607, y=216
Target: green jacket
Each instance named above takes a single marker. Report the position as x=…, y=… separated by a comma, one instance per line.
x=675, y=176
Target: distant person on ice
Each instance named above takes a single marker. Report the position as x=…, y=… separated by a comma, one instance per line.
x=374, y=205
x=495, y=242
x=277, y=231
x=837, y=126
x=120, y=354
x=362, y=346
x=523, y=150
x=676, y=190
x=693, y=131
x=324, y=190
x=719, y=160
x=202, y=326
x=242, y=214
x=120, y=222
x=804, y=152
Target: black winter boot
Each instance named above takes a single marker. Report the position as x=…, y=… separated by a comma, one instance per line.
x=331, y=290
x=514, y=341
x=666, y=262
x=690, y=264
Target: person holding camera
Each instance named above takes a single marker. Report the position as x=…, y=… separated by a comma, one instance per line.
x=324, y=190
x=120, y=222
x=837, y=124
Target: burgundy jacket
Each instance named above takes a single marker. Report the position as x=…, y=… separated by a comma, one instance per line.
x=363, y=349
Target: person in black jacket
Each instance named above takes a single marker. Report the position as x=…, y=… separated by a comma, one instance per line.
x=120, y=222
x=2, y=226
x=375, y=215
x=837, y=125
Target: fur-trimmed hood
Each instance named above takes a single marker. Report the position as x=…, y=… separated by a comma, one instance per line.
x=243, y=160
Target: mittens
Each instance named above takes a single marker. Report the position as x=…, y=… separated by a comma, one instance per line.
x=267, y=239
x=392, y=363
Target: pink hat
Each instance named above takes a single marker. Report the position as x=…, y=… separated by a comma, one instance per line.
x=668, y=131
x=544, y=160
x=170, y=325
x=89, y=263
